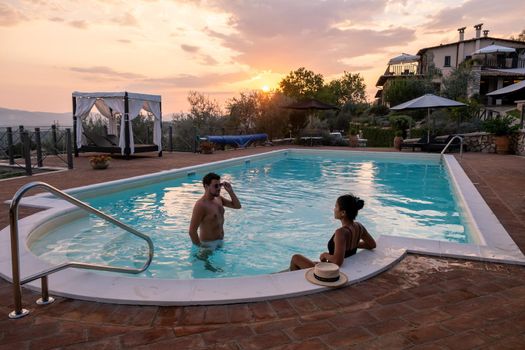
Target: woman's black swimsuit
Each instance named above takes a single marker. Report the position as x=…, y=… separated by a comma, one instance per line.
x=349, y=252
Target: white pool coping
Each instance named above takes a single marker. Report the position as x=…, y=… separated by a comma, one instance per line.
x=493, y=244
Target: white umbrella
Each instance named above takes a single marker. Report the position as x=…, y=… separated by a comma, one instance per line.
x=493, y=49
x=404, y=58
x=428, y=101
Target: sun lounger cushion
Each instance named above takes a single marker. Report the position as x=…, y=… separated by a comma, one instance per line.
x=237, y=140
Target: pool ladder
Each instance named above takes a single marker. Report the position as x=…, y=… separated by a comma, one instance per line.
x=15, y=257
x=460, y=146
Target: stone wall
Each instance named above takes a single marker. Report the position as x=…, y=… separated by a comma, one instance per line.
x=479, y=142
x=484, y=142
x=517, y=143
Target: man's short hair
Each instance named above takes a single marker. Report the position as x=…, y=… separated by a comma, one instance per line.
x=207, y=179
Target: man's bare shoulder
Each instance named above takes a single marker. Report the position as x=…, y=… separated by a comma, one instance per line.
x=203, y=203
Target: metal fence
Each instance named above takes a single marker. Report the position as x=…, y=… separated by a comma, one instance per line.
x=30, y=147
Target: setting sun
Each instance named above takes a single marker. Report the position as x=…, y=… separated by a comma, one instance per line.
x=265, y=88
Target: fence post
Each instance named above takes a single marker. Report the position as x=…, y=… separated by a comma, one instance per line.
x=195, y=140
x=69, y=149
x=10, y=147
x=26, y=150
x=54, y=133
x=38, y=142
x=170, y=138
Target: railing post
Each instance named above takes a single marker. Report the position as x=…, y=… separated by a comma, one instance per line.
x=10, y=147
x=54, y=133
x=69, y=149
x=170, y=138
x=45, y=299
x=38, y=142
x=15, y=265
x=26, y=150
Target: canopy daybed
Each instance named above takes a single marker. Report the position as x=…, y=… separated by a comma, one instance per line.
x=110, y=104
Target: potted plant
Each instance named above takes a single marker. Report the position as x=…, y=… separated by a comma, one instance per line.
x=398, y=140
x=353, y=139
x=207, y=147
x=501, y=128
x=100, y=161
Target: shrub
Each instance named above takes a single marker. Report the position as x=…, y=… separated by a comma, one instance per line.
x=378, y=137
x=500, y=126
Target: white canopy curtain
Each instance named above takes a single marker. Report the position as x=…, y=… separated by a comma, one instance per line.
x=116, y=102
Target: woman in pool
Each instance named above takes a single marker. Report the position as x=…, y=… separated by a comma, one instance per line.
x=346, y=239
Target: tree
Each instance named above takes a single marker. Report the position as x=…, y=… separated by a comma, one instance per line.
x=301, y=84
x=401, y=90
x=455, y=86
x=243, y=111
x=273, y=119
x=520, y=37
x=350, y=88
x=203, y=111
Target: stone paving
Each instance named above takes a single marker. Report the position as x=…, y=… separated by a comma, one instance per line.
x=422, y=303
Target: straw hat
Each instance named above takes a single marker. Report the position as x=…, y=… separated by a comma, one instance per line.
x=326, y=274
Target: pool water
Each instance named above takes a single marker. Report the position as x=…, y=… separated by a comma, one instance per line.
x=287, y=208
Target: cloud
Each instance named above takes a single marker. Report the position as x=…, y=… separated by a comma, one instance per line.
x=189, y=48
x=106, y=72
x=78, y=24
x=325, y=51
x=10, y=16
x=127, y=19
x=306, y=33
x=56, y=19
x=195, y=81
x=493, y=13
x=124, y=41
x=200, y=57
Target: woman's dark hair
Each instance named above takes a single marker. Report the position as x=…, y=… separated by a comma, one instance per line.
x=350, y=204
x=206, y=180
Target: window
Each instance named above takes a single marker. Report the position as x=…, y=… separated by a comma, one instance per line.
x=447, y=61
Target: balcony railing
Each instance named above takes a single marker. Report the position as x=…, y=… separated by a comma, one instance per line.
x=505, y=63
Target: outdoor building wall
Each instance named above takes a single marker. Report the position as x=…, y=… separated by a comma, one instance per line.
x=439, y=58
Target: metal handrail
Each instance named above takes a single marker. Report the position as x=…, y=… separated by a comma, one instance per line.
x=460, y=146
x=15, y=258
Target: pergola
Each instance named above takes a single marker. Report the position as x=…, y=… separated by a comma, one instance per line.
x=111, y=104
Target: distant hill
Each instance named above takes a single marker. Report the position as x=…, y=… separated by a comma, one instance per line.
x=15, y=117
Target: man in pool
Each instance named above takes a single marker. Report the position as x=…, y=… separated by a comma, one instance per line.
x=208, y=211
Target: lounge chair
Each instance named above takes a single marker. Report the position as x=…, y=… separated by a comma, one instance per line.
x=439, y=143
x=436, y=144
x=415, y=143
x=109, y=144
x=240, y=141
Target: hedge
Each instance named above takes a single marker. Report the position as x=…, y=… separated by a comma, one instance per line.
x=378, y=137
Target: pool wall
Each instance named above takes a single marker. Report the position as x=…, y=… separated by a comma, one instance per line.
x=492, y=244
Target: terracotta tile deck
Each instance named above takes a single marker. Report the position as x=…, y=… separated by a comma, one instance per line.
x=422, y=303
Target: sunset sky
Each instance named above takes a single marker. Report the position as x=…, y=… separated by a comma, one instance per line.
x=220, y=48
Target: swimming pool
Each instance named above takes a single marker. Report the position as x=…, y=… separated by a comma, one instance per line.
x=288, y=202
x=483, y=236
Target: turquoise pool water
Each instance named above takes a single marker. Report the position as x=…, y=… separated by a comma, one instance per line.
x=287, y=203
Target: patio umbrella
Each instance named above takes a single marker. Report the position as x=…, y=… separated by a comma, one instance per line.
x=311, y=104
x=428, y=101
x=493, y=49
x=404, y=58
